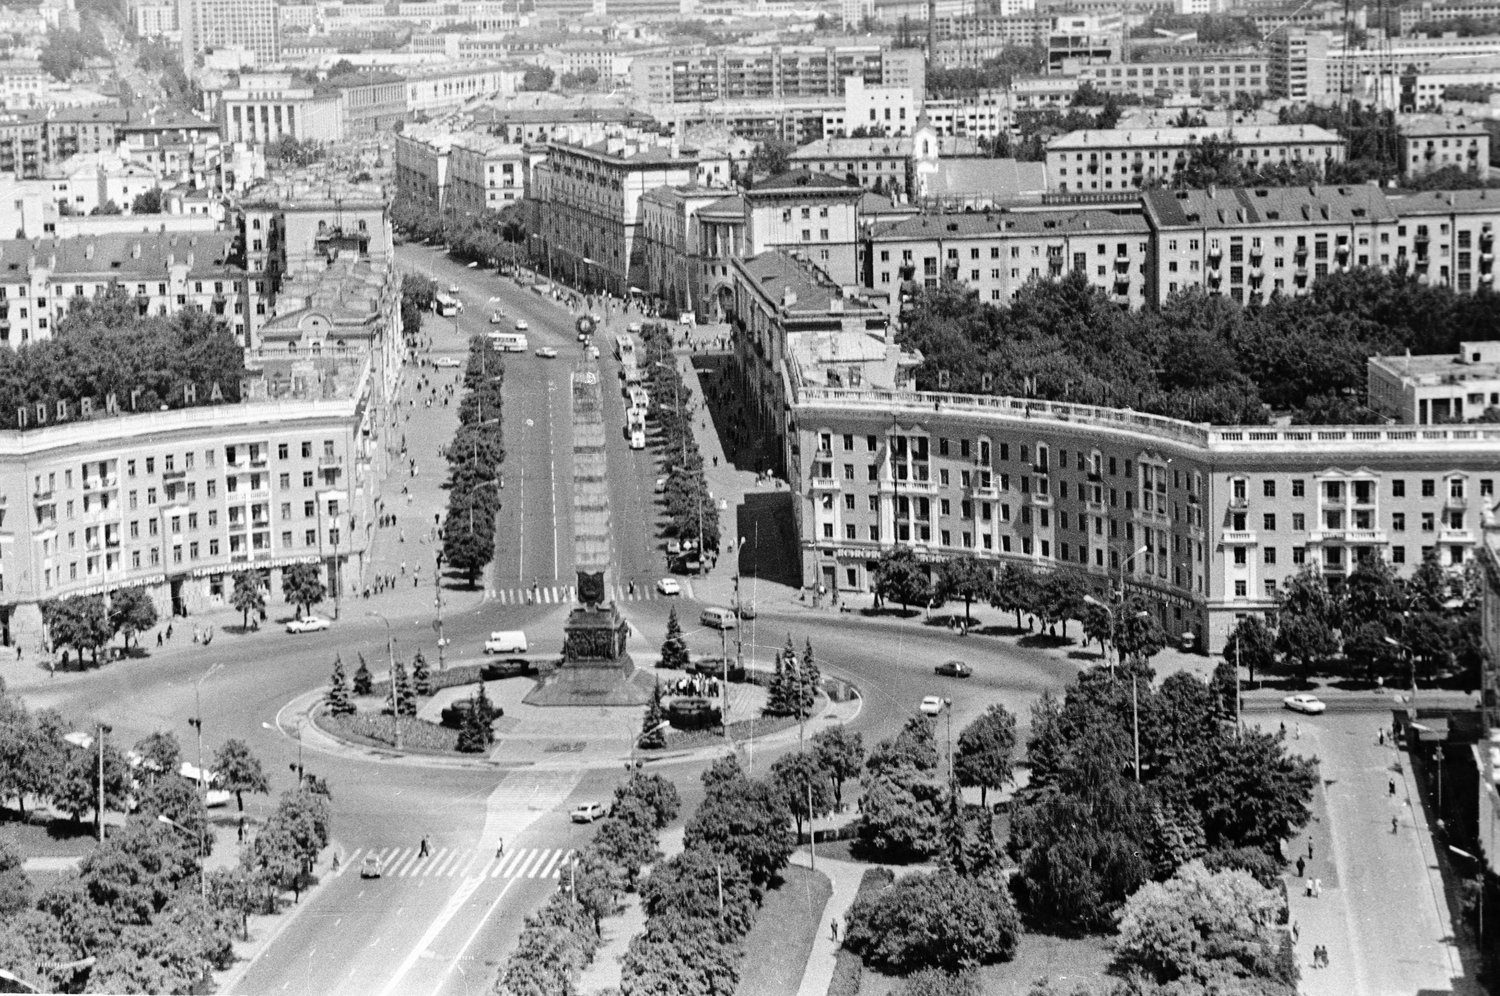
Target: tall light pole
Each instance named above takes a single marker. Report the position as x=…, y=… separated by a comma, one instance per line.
x=1135, y=706
x=1124, y=564
x=739, y=639
x=1482, y=884
x=390, y=653
x=437, y=603
x=197, y=723
x=99, y=810
x=1411, y=664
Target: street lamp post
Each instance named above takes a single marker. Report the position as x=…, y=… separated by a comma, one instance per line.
x=99, y=810
x=390, y=652
x=1482, y=884
x=202, y=871
x=1135, y=708
x=197, y=723
x=437, y=602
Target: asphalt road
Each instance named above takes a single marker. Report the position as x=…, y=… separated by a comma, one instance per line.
x=442, y=924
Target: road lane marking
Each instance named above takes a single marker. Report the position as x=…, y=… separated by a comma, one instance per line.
x=450, y=909
x=406, y=861
x=450, y=863
x=443, y=977
x=524, y=869
x=552, y=865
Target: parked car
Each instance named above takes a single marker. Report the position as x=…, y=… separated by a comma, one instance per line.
x=954, y=669
x=370, y=867
x=497, y=318
x=589, y=812
x=308, y=624
x=506, y=641
x=521, y=325
x=456, y=714
x=669, y=586
x=746, y=610
x=1310, y=704
x=932, y=705
x=449, y=361
x=500, y=670
x=547, y=353
x=660, y=486
x=717, y=618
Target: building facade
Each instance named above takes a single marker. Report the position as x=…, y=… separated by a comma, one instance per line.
x=1432, y=390
x=1218, y=78
x=421, y=163
x=810, y=214
x=252, y=25
x=1430, y=143
x=734, y=73
x=1112, y=159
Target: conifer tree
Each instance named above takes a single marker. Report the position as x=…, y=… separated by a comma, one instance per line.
x=674, y=651
x=653, y=735
x=810, y=678
x=474, y=736
x=420, y=676
x=363, y=683
x=406, y=702
x=338, y=701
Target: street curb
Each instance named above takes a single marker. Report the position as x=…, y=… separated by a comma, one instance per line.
x=283, y=920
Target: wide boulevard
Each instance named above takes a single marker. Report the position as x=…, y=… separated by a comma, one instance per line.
x=441, y=924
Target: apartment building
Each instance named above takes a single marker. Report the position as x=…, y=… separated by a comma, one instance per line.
x=573, y=122
x=883, y=165
x=1447, y=237
x=1428, y=12
x=421, y=168
x=300, y=220
x=1084, y=40
x=1297, y=65
x=1249, y=244
x=1430, y=142
x=985, y=114
x=1432, y=390
x=23, y=144
x=73, y=130
x=1117, y=159
x=252, y=25
x=1217, y=78
x=812, y=214
x=179, y=146
x=1429, y=87
x=484, y=174
x=82, y=184
x=1203, y=523
x=587, y=199
x=792, y=119
x=163, y=273
x=997, y=253
x=885, y=110
x=670, y=238
x=781, y=71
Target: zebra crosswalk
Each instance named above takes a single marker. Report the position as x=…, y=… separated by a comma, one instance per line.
x=463, y=862
x=566, y=594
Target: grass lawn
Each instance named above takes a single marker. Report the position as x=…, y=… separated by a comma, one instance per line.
x=38, y=836
x=1066, y=961
x=777, y=947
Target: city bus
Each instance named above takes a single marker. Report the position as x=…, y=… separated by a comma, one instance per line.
x=447, y=305
x=625, y=348
x=509, y=342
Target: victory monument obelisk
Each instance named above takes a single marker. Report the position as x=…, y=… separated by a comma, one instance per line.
x=595, y=668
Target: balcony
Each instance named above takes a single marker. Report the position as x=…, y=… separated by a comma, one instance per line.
x=173, y=475
x=1122, y=264
x=825, y=484
x=1452, y=536
x=1240, y=537
x=1300, y=254
x=1239, y=502
x=44, y=498
x=258, y=462
x=1458, y=503
x=100, y=483
x=1376, y=536
x=823, y=454
x=985, y=491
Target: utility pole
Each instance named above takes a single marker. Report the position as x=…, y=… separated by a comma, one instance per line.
x=437, y=601
x=99, y=811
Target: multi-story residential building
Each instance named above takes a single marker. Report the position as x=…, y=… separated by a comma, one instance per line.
x=1430, y=87
x=985, y=114
x=884, y=165
x=1297, y=65
x=1431, y=390
x=252, y=25
x=586, y=205
x=997, y=253
x=1218, y=78
x=1084, y=40
x=734, y=73
x=1109, y=159
x=484, y=174
x=790, y=119
x=879, y=110
x=1428, y=12
x=266, y=107
x=72, y=130
x=23, y=144
x=294, y=221
x=1433, y=142
x=1202, y=522
x=811, y=214
x=22, y=82
x=26, y=208
x=83, y=184
x=1447, y=237
x=1316, y=65
x=164, y=274
x=178, y=146
x=1249, y=244
x=779, y=298
x=157, y=20
x=433, y=91
x=538, y=124
x=421, y=162
x=721, y=240
x=669, y=238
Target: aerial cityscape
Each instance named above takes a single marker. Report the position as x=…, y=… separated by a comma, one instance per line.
x=676, y=498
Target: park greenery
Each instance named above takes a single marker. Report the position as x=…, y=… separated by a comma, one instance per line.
x=107, y=346
x=692, y=512
x=1199, y=357
x=139, y=915
x=560, y=939
x=489, y=237
x=475, y=454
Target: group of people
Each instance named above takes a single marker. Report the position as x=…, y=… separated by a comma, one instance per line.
x=697, y=684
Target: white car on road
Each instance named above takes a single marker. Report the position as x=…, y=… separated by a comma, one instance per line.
x=521, y=325
x=932, y=705
x=669, y=586
x=547, y=353
x=449, y=361
x=308, y=624
x=589, y=812
x=1310, y=704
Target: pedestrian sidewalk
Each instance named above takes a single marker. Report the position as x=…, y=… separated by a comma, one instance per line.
x=844, y=877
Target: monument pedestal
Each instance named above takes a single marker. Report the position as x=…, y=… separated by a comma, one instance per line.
x=594, y=637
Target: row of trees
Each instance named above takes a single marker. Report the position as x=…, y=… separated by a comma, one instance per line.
x=88, y=622
x=701, y=903
x=560, y=939
x=692, y=513
x=486, y=237
x=107, y=346
x=474, y=457
x=133, y=918
x=1199, y=357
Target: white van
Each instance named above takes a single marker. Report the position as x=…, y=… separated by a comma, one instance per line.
x=717, y=618
x=506, y=641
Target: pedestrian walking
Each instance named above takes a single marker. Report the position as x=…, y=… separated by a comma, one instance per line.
x=158, y=638
x=423, y=851
x=1391, y=785
x=833, y=928
x=1309, y=849
x=1301, y=866
x=1309, y=888
x=1395, y=825
x=1381, y=736
x=242, y=830
x=1317, y=888
x=1296, y=932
